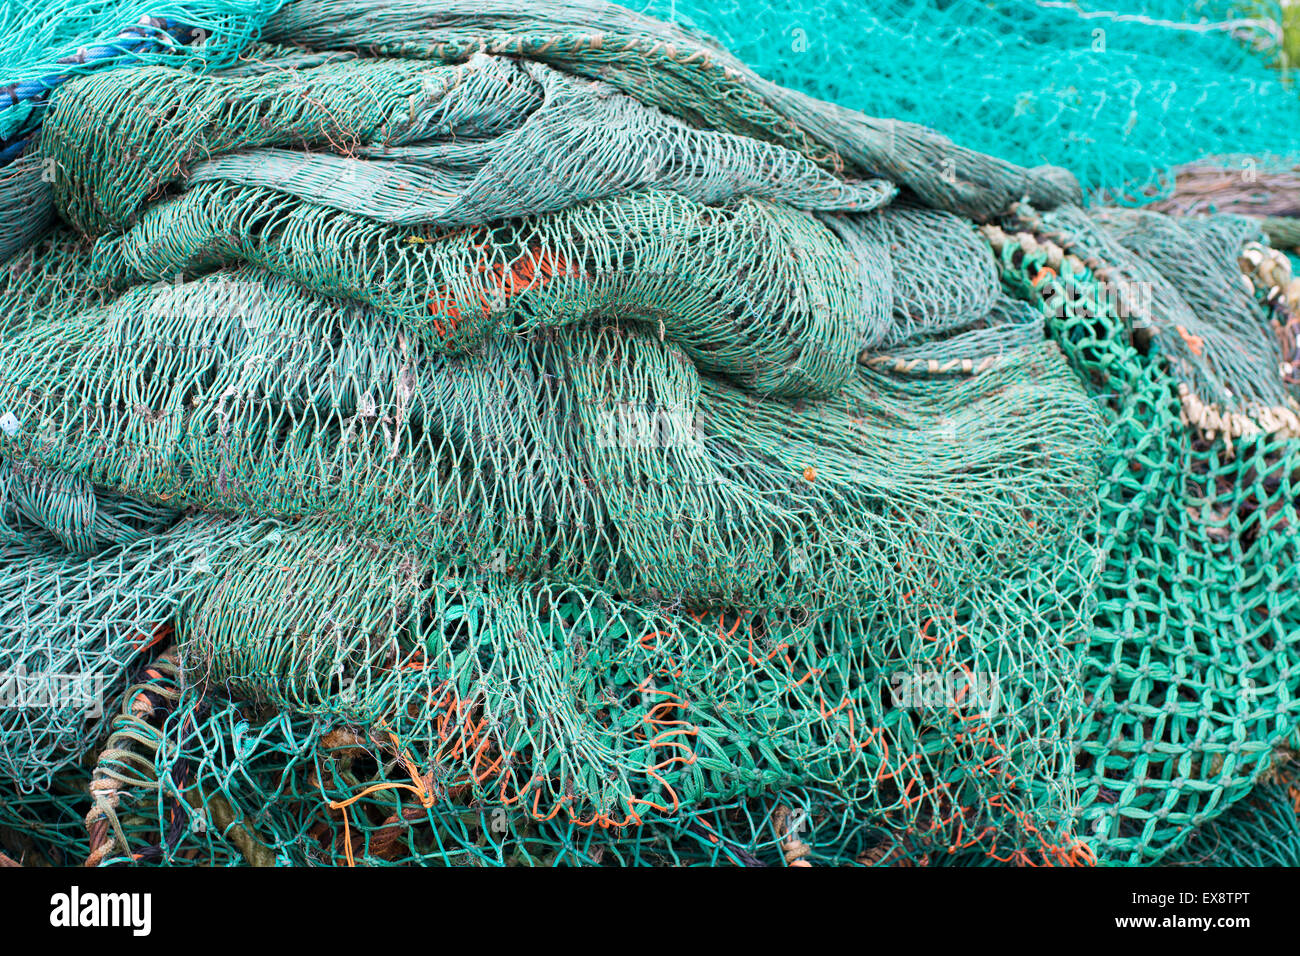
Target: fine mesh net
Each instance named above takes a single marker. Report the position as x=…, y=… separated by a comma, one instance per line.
x=485, y=434
x=1118, y=93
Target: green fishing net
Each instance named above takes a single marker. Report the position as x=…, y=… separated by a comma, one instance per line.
x=464, y=434
x=1261, y=830
x=1198, y=606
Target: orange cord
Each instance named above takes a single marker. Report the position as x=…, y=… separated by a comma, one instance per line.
x=418, y=786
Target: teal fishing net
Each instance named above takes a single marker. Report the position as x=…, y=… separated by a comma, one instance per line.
x=1118, y=93
x=507, y=436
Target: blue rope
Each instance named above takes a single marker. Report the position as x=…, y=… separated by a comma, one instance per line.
x=11, y=151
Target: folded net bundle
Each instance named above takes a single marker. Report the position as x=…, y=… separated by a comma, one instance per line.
x=470, y=434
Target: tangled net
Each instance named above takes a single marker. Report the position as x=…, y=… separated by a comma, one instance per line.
x=474, y=435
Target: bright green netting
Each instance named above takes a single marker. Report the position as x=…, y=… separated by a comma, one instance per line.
x=548, y=442
x=1193, y=669
x=1118, y=93
x=122, y=816
x=1194, y=661
x=236, y=787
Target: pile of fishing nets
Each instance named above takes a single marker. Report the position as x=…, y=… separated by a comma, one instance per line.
x=469, y=433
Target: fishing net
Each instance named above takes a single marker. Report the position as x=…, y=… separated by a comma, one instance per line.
x=26, y=206
x=1191, y=669
x=1121, y=95
x=806, y=545
x=72, y=622
x=680, y=72
x=46, y=827
x=629, y=256
x=1261, y=830
x=654, y=730
x=1272, y=197
x=586, y=454
x=410, y=143
x=45, y=43
x=49, y=42
x=484, y=435
x=1118, y=93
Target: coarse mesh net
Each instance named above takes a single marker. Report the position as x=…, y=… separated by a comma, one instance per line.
x=1197, y=603
x=1261, y=830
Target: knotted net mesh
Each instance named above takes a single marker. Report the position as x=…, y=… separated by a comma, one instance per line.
x=477, y=434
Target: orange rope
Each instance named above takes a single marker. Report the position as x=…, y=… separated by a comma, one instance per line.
x=418, y=786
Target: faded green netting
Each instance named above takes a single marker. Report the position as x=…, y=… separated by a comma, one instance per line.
x=430, y=145
x=1118, y=93
x=598, y=454
x=26, y=207
x=679, y=72
x=665, y=714
x=44, y=43
x=628, y=256
x=88, y=583
x=239, y=392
